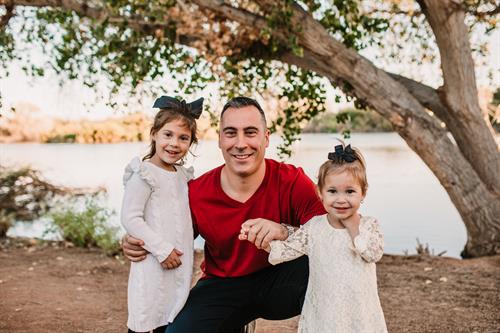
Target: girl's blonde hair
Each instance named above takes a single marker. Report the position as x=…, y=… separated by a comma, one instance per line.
x=343, y=159
x=166, y=115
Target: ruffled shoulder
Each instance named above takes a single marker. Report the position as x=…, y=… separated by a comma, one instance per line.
x=142, y=169
x=187, y=172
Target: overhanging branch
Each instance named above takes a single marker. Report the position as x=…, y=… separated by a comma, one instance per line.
x=4, y=20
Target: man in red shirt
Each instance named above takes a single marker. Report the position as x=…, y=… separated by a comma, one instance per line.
x=238, y=283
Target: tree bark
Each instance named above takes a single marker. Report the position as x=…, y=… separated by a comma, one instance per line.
x=459, y=92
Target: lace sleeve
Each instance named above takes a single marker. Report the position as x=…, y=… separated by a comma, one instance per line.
x=369, y=244
x=296, y=245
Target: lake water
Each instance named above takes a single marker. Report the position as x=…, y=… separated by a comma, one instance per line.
x=403, y=193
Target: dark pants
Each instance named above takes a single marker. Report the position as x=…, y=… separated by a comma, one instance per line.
x=226, y=305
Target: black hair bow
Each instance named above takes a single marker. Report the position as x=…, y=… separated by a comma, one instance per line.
x=193, y=109
x=346, y=154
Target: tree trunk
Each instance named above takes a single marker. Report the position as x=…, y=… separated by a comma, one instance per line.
x=477, y=203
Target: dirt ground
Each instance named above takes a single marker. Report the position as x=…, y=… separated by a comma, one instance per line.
x=50, y=288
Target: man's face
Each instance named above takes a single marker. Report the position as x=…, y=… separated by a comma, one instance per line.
x=243, y=140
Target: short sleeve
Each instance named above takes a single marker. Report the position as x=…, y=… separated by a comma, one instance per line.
x=305, y=200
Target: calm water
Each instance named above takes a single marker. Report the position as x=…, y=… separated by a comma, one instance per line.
x=403, y=193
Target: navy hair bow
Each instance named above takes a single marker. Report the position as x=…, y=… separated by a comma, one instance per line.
x=193, y=109
x=346, y=154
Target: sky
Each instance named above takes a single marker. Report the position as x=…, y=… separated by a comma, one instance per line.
x=68, y=101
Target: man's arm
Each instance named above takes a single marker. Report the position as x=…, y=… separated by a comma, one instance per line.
x=261, y=232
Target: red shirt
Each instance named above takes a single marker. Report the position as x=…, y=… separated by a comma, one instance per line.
x=286, y=195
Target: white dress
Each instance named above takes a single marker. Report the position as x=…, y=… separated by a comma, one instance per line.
x=342, y=289
x=156, y=209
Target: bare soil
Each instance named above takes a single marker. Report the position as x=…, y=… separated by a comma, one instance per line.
x=47, y=287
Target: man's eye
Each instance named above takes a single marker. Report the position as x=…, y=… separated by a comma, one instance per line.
x=251, y=133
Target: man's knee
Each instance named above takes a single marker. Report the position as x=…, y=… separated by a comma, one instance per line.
x=284, y=289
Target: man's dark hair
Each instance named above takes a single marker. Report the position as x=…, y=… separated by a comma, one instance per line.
x=240, y=102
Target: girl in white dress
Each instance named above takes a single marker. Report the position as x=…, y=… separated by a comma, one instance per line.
x=343, y=247
x=156, y=209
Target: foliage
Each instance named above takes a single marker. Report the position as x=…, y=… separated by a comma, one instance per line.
x=137, y=45
x=24, y=195
x=132, y=56
x=347, y=121
x=85, y=226
x=6, y=221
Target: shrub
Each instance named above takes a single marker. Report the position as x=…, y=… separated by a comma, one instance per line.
x=6, y=221
x=85, y=226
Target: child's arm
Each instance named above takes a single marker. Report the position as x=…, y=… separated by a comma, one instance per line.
x=137, y=193
x=296, y=245
x=369, y=244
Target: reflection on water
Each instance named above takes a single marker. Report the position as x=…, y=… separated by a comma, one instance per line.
x=403, y=193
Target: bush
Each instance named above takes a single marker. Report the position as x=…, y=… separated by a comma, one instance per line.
x=87, y=226
x=6, y=221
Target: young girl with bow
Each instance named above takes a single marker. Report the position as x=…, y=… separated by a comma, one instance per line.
x=155, y=209
x=343, y=247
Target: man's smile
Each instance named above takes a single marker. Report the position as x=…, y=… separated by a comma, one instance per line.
x=242, y=156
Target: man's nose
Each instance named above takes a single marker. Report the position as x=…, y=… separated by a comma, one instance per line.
x=241, y=142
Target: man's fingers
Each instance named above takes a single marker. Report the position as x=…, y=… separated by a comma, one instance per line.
x=134, y=252
x=135, y=258
x=178, y=252
x=252, y=233
x=266, y=241
x=260, y=237
x=132, y=240
x=248, y=224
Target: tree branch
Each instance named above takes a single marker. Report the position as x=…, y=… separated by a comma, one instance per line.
x=4, y=20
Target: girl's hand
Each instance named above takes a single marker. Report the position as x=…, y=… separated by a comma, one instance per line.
x=352, y=225
x=173, y=260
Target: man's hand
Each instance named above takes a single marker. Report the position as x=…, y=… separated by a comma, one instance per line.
x=132, y=248
x=173, y=260
x=261, y=232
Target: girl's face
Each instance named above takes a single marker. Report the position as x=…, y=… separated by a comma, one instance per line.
x=172, y=142
x=341, y=195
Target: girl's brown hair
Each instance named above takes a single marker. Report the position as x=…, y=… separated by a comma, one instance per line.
x=166, y=115
x=337, y=164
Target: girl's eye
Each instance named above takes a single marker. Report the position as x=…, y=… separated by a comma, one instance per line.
x=332, y=191
x=167, y=134
x=351, y=191
x=185, y=138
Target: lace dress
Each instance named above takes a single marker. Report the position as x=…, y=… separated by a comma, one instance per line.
x=156, y=209
x=342, y=289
